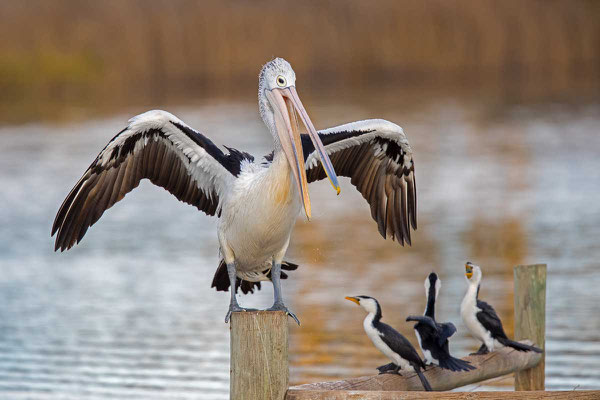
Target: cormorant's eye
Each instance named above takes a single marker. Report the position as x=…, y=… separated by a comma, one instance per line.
x=281, y=81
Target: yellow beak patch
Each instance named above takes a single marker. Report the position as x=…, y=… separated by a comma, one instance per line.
x=468, y=271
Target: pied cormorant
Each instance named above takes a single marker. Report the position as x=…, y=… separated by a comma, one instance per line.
x=389, y=341
x=433, y=336
x=481, y=318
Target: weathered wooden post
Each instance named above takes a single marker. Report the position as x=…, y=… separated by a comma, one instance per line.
x=530, y=319
x=259, y=355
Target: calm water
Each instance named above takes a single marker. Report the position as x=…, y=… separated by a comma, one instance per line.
x=129, y=313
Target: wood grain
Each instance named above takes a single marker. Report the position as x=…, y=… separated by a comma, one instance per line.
x=259, y=355
x=395, y=395
x=492, y=365
x=530, y=319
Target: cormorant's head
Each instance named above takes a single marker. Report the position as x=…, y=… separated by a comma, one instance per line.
x=432, y=281
x=370, y=304
x=472, y=273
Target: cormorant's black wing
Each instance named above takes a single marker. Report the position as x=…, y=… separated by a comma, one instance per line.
x=425, y=320
x=398, y=343
x=489, y=319
x=446, y=330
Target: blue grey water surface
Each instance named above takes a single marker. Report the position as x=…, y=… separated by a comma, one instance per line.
x=129, y=313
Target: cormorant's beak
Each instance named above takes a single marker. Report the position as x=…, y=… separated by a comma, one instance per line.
x=468, y=270
x=354, y=299
x=286, y=103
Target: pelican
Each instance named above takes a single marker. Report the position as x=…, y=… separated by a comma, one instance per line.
x=257, y=203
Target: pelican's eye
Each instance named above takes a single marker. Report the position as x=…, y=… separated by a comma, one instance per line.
x=281, y=81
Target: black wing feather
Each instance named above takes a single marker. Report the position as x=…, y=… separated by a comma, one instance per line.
x=399, y=344
x=490, y=320
x=446, y=330
x=378, y=169
x=149, y=154
x=426, y=320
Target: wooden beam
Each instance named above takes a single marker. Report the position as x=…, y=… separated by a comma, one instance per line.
x=492, y=365
x=379, y=395
x=259, y=355
x=530, y=319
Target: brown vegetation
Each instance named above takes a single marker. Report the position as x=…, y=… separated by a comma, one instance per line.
x=91, y=53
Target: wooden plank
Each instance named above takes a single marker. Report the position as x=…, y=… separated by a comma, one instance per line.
x=491, y=365
x=530, y=319
x=259, y=355
x=385, y=395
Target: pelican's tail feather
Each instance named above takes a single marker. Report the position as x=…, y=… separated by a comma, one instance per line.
x=221, y=278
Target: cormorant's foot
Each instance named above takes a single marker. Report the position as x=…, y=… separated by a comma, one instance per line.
x=480, y=352
x=236, y=308
x=282, y=307
x=392, y=371
x=383, y=369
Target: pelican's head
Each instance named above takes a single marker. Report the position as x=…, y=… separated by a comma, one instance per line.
x=472, y=273
x=279, y=104
x=370, y=304
x=432, y=285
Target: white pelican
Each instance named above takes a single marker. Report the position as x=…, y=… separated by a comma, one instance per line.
x=257, y=202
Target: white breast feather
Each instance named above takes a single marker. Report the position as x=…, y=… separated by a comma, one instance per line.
x=375, y=337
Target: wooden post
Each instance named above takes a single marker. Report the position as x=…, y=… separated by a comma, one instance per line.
x=530, y=319
x=259, y=355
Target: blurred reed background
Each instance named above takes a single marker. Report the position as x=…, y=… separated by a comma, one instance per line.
x=500, y=101
x=72, y=58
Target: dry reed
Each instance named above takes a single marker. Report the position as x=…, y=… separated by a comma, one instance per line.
x=106, y=53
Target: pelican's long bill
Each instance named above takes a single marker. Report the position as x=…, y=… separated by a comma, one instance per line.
x=353, y=299
x=286, y=103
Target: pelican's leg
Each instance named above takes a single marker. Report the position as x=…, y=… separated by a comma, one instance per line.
x=278, y=304
x=233, y=304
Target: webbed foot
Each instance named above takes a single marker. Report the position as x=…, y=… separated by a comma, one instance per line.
x=383, y=369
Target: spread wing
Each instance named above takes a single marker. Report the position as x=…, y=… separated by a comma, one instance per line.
x=447, y=329
x=425, y=320
x=160, y=147
x=375, y=154
x=489, y=319
x=441, y=331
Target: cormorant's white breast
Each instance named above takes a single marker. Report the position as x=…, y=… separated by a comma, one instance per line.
x=481, y=318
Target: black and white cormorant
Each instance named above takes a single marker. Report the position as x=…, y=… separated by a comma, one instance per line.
x=481, y=318
x=389, y=341
x=433, y=336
